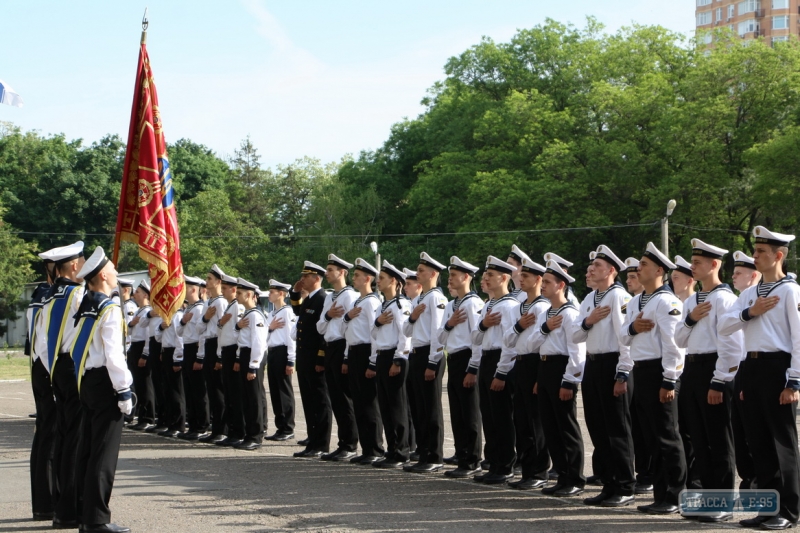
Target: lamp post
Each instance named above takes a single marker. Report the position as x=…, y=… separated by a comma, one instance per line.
x=665, y=227
x=374, y=247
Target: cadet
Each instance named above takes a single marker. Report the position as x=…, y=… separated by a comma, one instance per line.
x=649, y=330
x=712, y=361
x=632, y=276
x=682, y=279
x=153, y=355
x=281, y=355
x=137, y=360
x=190, y=328
x=460, y=319
x=496, y=396
x=605, y=400
x=127, y=304
x=388, y=365
x=515, y=258
x=212, y=364
x=331, y=326
x=426, y=365
x=358, y=334
x=227, y=352
x=565, y=266
x=172, y=367
x=412, y=289
x=532, y=452
x=252, y=344
x=768, y=313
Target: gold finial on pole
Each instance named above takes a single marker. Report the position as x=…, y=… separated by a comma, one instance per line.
x=145, y=23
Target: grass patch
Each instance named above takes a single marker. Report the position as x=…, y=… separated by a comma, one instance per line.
x=14, y=365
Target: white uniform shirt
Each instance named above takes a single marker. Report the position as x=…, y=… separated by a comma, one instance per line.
x=666, y=312
x=284, y=336
x=190, y=331
x=212, y=326
x=128, y=311
x=253, y=336
x=492, y=338
x=140, y=332
x=460, y=336
x=391, y=336
x=228, y=334
x=559, y=341
x=170, y=338
x=703, y=336
x=604, y=336
x=777, y=330
x=518, y=338
x=425, y=330
x=359, y=330
x=332, y=329
x=153, y=326
x=108, y=350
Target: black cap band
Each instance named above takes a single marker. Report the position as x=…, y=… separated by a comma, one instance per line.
x=97, y=269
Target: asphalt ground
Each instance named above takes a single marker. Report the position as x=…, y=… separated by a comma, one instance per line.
x=168, y=485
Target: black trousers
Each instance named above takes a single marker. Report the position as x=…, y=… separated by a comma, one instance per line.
x=744, y=459
x=68, y=425
x=560, y=421
x=44, y=440
x=175, y=412
x=339, y=393
x=316, y=402
x=281, y=392
x=659, y=423
x=428, y=406
x=693, y=477
x=252, y=399
x=771, y=429
x=412, y=421
x=608, y=420
x=157, y=377
x=194, y=385
x=102, y=433
x=532, y=454
x=497, y=414
x=709, y=426
x=365, y=401
x=214, y=389
x=393, y=403
x=465, y=411
x=145, y=407
x=642, y=460
x=231, y=381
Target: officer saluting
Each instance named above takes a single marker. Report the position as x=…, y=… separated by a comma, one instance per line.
x=769, y=315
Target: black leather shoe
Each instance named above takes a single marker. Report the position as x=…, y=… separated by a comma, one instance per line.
x=42, y=517
x=776, y=523
x=528, y=483
x=191, y=435
x=64, y=524
x=462, y=473
x=661, y=508
x=303, y=442
x=105, y=528
x=338, y=455
x=594, y=480
x=354, y=458
x=478, y=478
x=452, y=460
x=141, y=426
x=170, y=433
x=549, y=491
x=212, y=439
x=497, y=479
x=281, y=437
x=754, y=522
x=426, y=468
x=618, y=501
x=308, y=454
x=597, y=500
x=228, y=441
x=715, y=518
x=248, y=445
x=155, y=429
x=389, y=463
x=568, y=491
x=368, y=459
x=643, y=488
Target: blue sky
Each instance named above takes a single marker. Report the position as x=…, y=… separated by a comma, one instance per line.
x=304, y=77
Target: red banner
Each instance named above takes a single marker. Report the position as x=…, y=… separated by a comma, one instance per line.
x=146, y=206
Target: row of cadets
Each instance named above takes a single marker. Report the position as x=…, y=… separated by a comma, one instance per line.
x=560, y=372
x=104, y=382
x=426, y=365
x=532, y=454
x=191, y=329
x=138, y=356
x=495, y=394
x=712, y=361
x=215, y=308
x=649, y=331
x=281, y=356
x=769, y=316
x=412, y=289
x=332, y=327
x=461, y=317
x=308, y=299
x=44, y=436
x=388, y=365
x=127, y=304
x=606, y=401
x=227, y=352
x=358, y=324
x=249, y=365
x=55, y=333
x=174, y=413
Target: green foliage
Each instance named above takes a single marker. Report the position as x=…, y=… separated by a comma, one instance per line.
x=15, y=270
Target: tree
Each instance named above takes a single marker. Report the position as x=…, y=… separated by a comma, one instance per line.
x=16, y=256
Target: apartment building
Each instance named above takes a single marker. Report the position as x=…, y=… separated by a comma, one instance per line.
x=774, y=20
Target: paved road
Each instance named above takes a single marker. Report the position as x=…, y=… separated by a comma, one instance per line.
x=168, y=485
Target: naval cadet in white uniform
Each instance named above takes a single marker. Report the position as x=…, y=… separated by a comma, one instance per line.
x=281, y=357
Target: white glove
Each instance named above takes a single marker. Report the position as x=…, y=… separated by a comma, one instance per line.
x=126, y=407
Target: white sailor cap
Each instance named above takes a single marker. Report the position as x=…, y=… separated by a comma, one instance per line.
x=554, y=268
x=765, y=236
x=393, y=271
x=651, y=252
x=707, y=250
x=339, y=262
x=683, y=266
x=125, y=282
x=530, y=266
x=191, y=280
x=463, y=266
x=517, y=254
x=217, y=271
x=741, y=259
x=145, y=285
x=242, y=283
x=550, y=256
x=605, y=253
x=203, y=283
x=312, y=268
x=410, y=274
x=493, y=263
x=365, y=267
x=63, y=254
x=592, y=255
x=262, y=294
x=229, y=280
x=275, y=284
x=425, y=259
x=631, y=264
x=94, y=264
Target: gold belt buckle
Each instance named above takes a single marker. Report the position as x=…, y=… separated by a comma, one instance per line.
x=543, y=357
x=753, y=355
